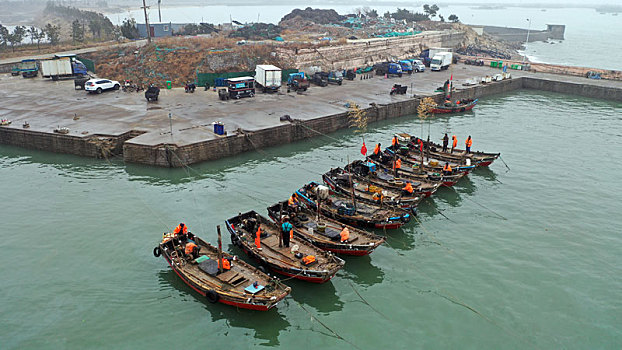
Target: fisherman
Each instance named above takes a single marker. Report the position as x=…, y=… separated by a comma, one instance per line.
x=468, y=143
x=293, y=202
x=181, y=229
x=445, y=142
x=408, y=189
x=287, y=231
x=395, y=142
x=454, y=143
x=397, y=165
x=192, y=249
x=226, y=264
x=447, y=169
x=344, y=234
x=377, y=149
x=258, y=238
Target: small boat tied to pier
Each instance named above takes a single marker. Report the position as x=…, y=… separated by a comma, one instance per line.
x=296, y=258
x=450, y=106
x=218, y=276
x=459, y=156
x=348, y=211
x=325, y=233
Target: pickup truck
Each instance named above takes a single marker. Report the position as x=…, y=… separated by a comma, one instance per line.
x=297, y=82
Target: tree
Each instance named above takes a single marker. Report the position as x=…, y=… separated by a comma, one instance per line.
x=430, y=10
x=32, y=33
x=95, y=27
x=387, y=14
x=371, y=13
x=453, y=18
x=40, y=35
x=17, y=36
x=53, y=33
x=129, y=29
x=441, y=18
x=77, y=31
x=4, y=35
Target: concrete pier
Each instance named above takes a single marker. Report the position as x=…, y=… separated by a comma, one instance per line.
x=124, y=124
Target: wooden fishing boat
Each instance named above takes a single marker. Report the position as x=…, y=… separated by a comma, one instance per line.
x=243, y=286
x=454, y=107
x=460, y=156
x=412, y=158
x=345, y=183
x=341, y=208
x=426, y=180
x=383, y=177
x=282, y=260
x=324, y=233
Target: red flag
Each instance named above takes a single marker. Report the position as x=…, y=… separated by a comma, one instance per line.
x=420, y=145
x=364, y=149
x=451, y=77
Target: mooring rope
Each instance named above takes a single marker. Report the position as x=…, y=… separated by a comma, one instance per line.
x=504, y=162
x=336, y=335
x=490, y=210
x=367, y=303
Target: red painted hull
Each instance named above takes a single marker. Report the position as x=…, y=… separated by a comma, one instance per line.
x=391, y=226
x=350, y=252
x=226, y=302
x=485, y=163
x=452, y=109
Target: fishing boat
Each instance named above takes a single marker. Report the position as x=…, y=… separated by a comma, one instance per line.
x=477, y=158
x=424, y=184
x=454, y=107
x=290, y=261
x=345, y=210
x=324, y=232
x=243, y=285
x=345, y=183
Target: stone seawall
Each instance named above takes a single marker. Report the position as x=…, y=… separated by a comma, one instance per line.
x=367, y=52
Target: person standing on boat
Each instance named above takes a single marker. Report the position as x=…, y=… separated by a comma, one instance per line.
x=447, y=169
x=445, y=142
x=454, y=142
x=395, y=143
x=258, y=238
x=344, y=234
x=181, y=229
x=468, y=143
x=397, y=165
x=287, y=231
x=377, y=149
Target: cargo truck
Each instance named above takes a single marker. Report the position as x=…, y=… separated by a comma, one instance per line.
x=62, y=67
x=441, y=61
x=388, y=68
x=28, y=68
x=268, y=77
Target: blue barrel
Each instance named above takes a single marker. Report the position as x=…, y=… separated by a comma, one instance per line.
x=219, y=128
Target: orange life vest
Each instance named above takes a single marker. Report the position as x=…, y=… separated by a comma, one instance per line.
x=226, y=265
x=258, y=238
x=345, y=234
x=395, y=141
x=179, y=230
x=308, y=259
x=455, y=141
x=190, y=247
x=447, y=167
x=397, y=164
x=377, y=149
x=408, y=188
x=292, y=200
x=468, y=142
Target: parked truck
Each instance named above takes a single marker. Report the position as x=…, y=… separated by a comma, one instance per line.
x=441, y=61
x=427, y=54
x=29, y=68
x=297, y=82
x=268, y=77
x=407, y=66
x=389, y=68
x=62, y=67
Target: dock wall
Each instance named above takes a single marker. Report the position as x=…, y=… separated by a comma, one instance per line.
x=168, y=155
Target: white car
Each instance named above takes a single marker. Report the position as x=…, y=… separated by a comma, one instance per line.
x=99, y=85
x=418, y=66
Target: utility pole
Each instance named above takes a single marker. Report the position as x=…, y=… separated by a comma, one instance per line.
x=147, y=23
x=527, y=41
x=159, y=13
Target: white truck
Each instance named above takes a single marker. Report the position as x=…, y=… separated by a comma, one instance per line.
x=441, y=60
x=268, y=77
x=62, y=67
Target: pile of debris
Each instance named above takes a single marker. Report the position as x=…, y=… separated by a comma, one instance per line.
x=257, y=31
x=316, y=16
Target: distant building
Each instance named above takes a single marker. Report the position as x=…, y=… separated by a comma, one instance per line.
x=160, y=29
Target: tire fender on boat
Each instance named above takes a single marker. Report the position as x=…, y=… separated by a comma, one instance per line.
x=212, y=296
x=157, y=252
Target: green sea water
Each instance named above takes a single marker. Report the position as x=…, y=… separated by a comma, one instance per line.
x=527, y=256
